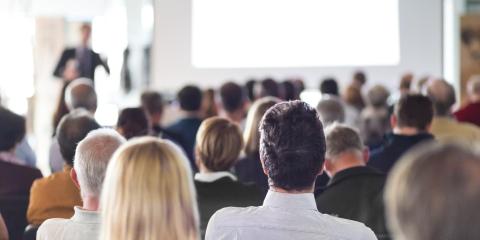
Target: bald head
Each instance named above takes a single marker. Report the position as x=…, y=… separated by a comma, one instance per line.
x=80, y=93
x=442, y=95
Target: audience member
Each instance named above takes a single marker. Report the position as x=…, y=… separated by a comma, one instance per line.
x=269, y=88
x=219, y=143
x=61, y=108
x=12, y=130
x=374, y=119
x=404, y=88
x=56, y=195
x=3, y=229
x=91, y=159
x=249, y=168
x=410, y=122
x=444, y=126
x=152, y=104
x=331, y=110
x=209, y=104
x=289, y=93
x=133, y=122
x=433, y=193
x=292, y=149
x=329, y=86
x=471, y=112
x=354, y=104
x=355, y=191
x=25, y=152
x=190, y=99
x=250, y=89
x=233, y=102
x=148, y=193
x=359, y=79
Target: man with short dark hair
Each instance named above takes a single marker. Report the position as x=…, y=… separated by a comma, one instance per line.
x=233, y=102
x=56, y=195
x=410, y=122
x=292, y=151
x=185, y=129
x=329, y=86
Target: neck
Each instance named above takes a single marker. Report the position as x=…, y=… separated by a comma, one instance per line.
x=236, y=116
x=345, y=161
x=407, y=131
x=475, y=98
x=281, y=190
x=191, y=114
x=90, y=203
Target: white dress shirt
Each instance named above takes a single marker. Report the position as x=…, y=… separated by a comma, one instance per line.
x=213, y=176
x=82, y=226
x=284, y=216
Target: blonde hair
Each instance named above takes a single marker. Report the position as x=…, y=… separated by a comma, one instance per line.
x=148, y=193
x=219, y=143
x=251, y=135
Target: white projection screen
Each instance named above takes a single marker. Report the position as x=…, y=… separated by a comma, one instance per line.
x=294, y=33
x=207, y=42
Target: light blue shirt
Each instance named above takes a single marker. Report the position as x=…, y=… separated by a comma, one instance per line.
x=284, y=216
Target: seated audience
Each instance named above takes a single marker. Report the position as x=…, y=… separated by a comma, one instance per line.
x=471, y=112
x=91, y=159
x=148, y=193
x=3, y=229
x=433, y=194
x=25, y=152
x=269, y=88
x=444, y=125
x=353, y=104
x=375, y=118
x=209, y=104
x=329, y=86
x=219, y=143
x=359, y=79
x=355, y=191
x=289, y=92
x=404, y=88
x=56, y=195
x=152, y=104
x=410, y=122
x=292, y=150
x=331, y=110
x=233, y=102
x=80, y=93
x=133, y=122
x=249, y=168
x=190, y=99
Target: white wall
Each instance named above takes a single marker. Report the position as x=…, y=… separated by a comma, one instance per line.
x=420, y=48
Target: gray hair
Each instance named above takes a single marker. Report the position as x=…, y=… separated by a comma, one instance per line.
x=442, y=95
x=378, y=96
x=80, y=93
x=91, y=159
x=341, y=139
x=433, y=193
x=331, y=110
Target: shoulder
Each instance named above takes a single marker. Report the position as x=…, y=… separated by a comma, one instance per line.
x=50, y=227
x=21, y=169
x=347, y=229
x=232, y=216
x=44, y=183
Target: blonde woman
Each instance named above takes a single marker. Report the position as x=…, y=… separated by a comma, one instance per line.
x=249, y=168
x=148, y=193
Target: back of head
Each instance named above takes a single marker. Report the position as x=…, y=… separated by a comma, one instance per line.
x=133, y=122
x=406, y=82
x=289, y=91
x=292, y=145
x=251, y=134
x=378, y=96
x=473, y=87
x=219, y=143
x=331, y=110
x=190, y=98
x=250, y=89
x=414, y=111
x=269, y=87
x=91, y=159
x=433, y=193
x=12, y=129
x=148, y=193
x=232, y=96
x=329, y=86
x=442, y=95
x=341, y=139
x=359, y=78
x=80, y=93
x=71, y=130
x=353, y=96
x=152, y=102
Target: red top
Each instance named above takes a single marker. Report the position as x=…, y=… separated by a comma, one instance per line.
x=470, y=113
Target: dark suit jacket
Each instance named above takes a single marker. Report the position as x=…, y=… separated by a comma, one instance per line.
x=249, y=170
x=185, y=130
x=224, y=192
x=356, y=194
x=385, y=157
x=16, y=180
x=70, y=53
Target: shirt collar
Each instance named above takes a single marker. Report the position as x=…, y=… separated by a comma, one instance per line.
x=351, y=172
x=213, y=176
x=85, y=216
x=304, y=201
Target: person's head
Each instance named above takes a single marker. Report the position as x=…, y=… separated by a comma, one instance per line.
x=250, y=89
x=71, y=130
x=378, y=96
x=406, y=83
x=374, y=124
x=359, y=79
x=85, y=32
x=152, y=103
x=133, y=122
x=269, y=87
x=12, y=129
x=218, y=146
x=209, y=104
x=412, y=111
x=190, y=98
x=232, y=98
x=442, y=95
x=433, y=193
x=353, y=96
x=473, y=88
x=292, y=146
x=329, y=86
x=148, y=193
x=80, y=93
x=331, y=110
x=289, y=92
x=251, y=135
x=345, y=149
x=91, y=160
